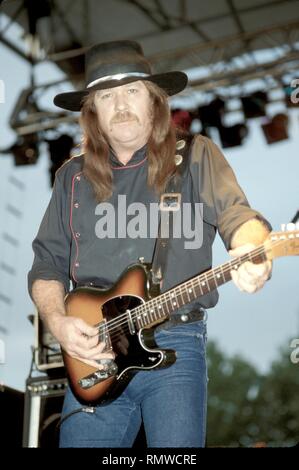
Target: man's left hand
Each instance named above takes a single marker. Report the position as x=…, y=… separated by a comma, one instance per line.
x=250, y=277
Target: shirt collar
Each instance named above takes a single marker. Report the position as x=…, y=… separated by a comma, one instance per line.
x=137, y=157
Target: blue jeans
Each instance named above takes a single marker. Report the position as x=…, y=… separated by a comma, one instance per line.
x=171, y=402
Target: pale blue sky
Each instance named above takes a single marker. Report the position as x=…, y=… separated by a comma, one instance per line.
x=254, y=326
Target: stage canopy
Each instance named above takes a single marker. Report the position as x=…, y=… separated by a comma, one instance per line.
x=223, y=35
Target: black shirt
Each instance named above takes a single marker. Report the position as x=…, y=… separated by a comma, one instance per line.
x=71, y=243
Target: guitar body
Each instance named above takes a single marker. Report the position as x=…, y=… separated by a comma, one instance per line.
x=127, y=313
x=135, y=349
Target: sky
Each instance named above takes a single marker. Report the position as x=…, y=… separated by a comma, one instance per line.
x=253, y=326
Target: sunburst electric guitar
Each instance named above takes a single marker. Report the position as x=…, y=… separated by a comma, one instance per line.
x=127, y=313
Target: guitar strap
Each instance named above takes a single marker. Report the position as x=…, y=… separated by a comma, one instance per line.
x=170, y=202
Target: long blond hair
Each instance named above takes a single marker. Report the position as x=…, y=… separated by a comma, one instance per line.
x=160, y=147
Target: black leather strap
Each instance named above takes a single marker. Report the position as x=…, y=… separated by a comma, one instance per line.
x=174, y=187
x=182, y=319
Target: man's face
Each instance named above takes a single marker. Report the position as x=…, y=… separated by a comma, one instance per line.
x=124, y=114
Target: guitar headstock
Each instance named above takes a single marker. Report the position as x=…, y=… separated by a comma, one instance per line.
x=282, y=244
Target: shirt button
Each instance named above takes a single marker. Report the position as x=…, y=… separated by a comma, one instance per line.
x=76, y=205
x=78, y=178
x=77, y=264
x=77, y=235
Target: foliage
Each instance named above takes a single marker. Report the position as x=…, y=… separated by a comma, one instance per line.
x=246, y=408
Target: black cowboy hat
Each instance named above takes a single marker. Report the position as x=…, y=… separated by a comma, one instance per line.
x=116, y=63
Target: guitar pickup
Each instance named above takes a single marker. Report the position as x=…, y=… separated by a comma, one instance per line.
x=110, y=369
x=130, y=322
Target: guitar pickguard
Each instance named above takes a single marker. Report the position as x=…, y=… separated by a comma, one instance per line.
x=127, y=343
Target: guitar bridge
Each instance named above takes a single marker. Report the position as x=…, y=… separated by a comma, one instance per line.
x=109, y=366
x=110, y=369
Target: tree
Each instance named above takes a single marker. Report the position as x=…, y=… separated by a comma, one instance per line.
x=277, y=404
x=246, y=407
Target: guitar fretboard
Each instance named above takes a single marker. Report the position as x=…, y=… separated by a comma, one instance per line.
x=160, y=308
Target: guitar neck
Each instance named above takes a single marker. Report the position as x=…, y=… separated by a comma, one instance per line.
x=161, y=307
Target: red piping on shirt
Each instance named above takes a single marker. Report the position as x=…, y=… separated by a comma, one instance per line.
x=124, y=167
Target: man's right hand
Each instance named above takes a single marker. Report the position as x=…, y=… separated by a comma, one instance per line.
x=76, y=337
x=79, y=340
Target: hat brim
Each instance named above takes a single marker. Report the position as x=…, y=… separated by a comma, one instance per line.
x=171, y=82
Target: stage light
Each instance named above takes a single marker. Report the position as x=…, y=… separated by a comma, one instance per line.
x=25, y=150
x=276, y=129
x=181, y=118
x=211, y=115
x=254, y=105
x=233, y=136
x=60, y=150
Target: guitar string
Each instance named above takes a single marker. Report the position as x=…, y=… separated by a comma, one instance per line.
x=142, y=310
x=167, y=302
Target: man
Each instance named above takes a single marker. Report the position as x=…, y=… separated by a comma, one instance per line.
x=130, y=150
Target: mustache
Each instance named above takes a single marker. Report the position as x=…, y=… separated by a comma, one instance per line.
x=122, y=116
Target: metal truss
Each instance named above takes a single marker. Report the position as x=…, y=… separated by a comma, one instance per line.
x=226, y=61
